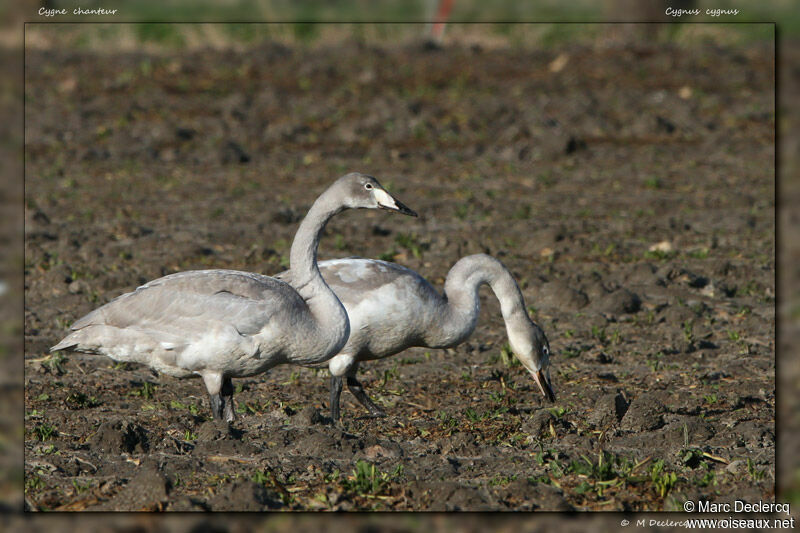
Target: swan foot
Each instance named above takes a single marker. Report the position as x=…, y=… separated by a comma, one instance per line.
x=357, y=389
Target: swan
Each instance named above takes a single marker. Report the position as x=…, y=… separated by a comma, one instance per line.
x=221, y=324
x=392, y=308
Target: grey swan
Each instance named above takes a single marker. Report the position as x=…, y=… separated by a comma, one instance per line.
x=221, y=324
x=392, y=308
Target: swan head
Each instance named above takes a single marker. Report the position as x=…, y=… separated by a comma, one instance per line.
x=365, y=192
x=533, y=351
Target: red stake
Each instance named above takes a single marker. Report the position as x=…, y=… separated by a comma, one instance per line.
x=440, y=19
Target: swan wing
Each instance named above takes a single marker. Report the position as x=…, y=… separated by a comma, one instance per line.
x=186, y=305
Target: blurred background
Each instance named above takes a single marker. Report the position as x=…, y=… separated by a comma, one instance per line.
x=304, y=25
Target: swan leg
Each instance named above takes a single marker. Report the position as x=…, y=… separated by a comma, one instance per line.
x=336, y=392
x=216, y=406
x=213, y=384
x=226, y=395
x=357, y=389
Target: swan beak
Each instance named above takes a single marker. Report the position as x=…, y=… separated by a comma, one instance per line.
x=387, y=201
x=544, y=385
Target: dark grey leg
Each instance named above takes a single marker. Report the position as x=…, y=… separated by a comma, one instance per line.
x=226, y=394
x=213, y=384
x=216, y=406
x=336, y=391
x=358, y=391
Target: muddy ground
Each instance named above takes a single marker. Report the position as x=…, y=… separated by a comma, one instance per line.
x=630, y=189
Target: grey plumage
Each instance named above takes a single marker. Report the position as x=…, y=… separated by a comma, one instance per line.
x=391, y=308
x=220, y=324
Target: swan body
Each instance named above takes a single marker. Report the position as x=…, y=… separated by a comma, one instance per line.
x=392, y=308
x=220, y=324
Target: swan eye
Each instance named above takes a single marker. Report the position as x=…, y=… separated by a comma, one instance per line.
x=368, y=186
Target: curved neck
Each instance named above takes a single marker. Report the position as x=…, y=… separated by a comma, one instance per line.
x=303, y=254
x=330, y=328
x=462, y=306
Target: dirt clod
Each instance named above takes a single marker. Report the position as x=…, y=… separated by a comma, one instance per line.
x=532, y=496
x=559, y=295
x=146, y=491
x=120, y=436
x=608, y=410
x=308, y=416
x=245, y=496
x=539, y=424
x=618, y=302
x=460, y=497
x=645, y=413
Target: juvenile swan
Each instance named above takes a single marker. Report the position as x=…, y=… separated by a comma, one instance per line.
x=392, y=308
x=219, y=324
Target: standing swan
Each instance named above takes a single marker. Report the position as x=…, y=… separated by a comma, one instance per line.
x=392, y=308
x=219, y=324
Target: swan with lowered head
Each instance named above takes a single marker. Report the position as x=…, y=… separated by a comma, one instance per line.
x=391, y=308
x=220, y=324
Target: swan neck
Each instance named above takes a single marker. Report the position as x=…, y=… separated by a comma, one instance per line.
x=303, y=254
x=463, y=302
x=327, y=331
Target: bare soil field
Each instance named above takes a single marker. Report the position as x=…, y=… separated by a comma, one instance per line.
x=630, y=189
